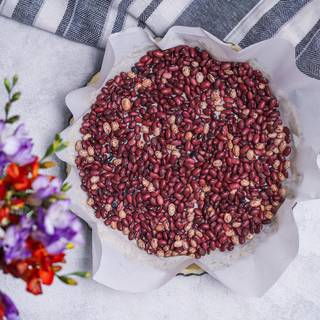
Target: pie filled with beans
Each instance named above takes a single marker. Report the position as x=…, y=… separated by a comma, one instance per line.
x=185, y=154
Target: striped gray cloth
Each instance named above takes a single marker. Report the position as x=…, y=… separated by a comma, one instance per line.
x=242, y=22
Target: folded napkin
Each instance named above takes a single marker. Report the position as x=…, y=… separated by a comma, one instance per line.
x=240, y=22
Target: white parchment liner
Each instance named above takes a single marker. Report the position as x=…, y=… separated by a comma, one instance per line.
x=254, y=267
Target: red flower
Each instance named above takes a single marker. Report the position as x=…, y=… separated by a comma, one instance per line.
x=35, y=168
x=21, y=177
x=4, y=214
x=2, y=314
x=46, y=276
x=34, y=286
x=17, y=177
x=3, y=190
x=39, y=269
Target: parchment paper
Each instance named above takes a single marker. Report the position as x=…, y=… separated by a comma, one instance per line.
x=251, y=268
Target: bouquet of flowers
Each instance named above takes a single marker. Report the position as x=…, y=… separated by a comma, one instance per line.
x=36, y=225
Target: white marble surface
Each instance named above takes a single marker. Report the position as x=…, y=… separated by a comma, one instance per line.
x=49, y=67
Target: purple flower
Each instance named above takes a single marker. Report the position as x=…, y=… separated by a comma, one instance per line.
x=44, y=187
x=2, y=234
x=3, y=161
x=14, y=241
x=58, y=226
x=14, y=146
x=10, y=310
x=23, y=154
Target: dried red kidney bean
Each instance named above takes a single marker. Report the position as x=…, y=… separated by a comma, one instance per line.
x=182, y=154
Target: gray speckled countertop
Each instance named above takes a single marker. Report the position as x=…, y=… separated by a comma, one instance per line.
x=50, y=67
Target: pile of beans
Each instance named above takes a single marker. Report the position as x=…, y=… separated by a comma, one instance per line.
x=185, y=153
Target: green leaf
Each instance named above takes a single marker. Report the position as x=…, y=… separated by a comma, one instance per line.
x=13, y=119
x=81, y=274
x=67, y=280
x=21, y=194
x=66, y=187
x=15, y=79
x=16, y=96
x=62, y=146
x=49, y=151
x=57, y=138
x=56, y=146
x=8, y=195
x=7, y=85
x=59, y=196
x=7, y=108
